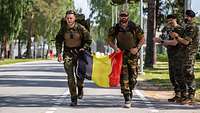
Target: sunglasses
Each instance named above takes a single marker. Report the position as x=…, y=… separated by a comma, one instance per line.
x=123, y=15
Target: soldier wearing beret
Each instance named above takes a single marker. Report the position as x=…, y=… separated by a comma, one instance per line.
x=174, y=52
x=191, y=43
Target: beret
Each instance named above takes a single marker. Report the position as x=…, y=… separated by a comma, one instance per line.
x=190, y=13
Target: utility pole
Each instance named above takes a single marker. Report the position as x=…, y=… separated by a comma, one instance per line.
x=142, y=49
x=187, y=4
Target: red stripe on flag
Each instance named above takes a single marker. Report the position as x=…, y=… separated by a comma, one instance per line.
x=116, y=60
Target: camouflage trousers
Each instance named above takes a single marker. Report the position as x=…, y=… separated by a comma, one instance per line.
x=189, y=76
x=129, y=73
x=172, y=73
x=70, y=64
x=176, y=74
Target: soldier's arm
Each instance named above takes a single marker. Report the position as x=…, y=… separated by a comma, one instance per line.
x=182, y=40
x=110, y=39
x=188, y=33
x=59, y=42
x=169, y=42
x=140, y=35
x=86, y=39
x=111, y=43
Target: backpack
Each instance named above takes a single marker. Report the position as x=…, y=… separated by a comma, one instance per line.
x=80, y=18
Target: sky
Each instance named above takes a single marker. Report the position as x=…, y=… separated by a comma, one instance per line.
x=84, y=5
x=196, y=6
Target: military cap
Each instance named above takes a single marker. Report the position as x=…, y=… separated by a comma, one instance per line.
x=123, y=13
x=190, y=13
x=171, y=16
x=70, y=12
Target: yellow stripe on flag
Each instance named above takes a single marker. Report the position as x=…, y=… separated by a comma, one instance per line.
x=101, y=70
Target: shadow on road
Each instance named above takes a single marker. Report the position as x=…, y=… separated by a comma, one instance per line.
x=28, y=101
x=89, y=101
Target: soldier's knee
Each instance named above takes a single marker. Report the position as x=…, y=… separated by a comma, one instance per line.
x=124, y=84
x=133, y=82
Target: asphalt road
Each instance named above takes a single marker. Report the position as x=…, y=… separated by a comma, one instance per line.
x=41, y=87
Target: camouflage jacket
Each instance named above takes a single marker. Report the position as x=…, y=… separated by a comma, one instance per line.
x=126, y=38
x=173, y=50
x=77, y=37
x=191, y=35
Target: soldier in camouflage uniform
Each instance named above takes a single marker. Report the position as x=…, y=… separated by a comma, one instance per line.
x=76, y=39
x=191, y=42
x=174, y=51
x=129, y=39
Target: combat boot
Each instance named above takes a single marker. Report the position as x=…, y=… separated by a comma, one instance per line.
x=184, y=98
x=80, y=93
x=127, y=103
x=191, y=96
x=189, y=100
x=176, y=98
x=73, y=101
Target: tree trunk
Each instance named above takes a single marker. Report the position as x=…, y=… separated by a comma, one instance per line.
x=43, y=49
x=19, y=48
x=47, y=53
x=4, y=48
x=28, y=47
x=12, y=50
x=151, y=31
x=1, y=51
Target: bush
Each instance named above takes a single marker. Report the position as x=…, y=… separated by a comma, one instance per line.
x=198, y=55
x=162, y=57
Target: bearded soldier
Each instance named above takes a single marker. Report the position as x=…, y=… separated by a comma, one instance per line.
x=129, y=38
x=174, y=51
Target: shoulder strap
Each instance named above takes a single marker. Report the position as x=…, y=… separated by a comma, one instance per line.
x=132, y=27
x=80, y=29
x=116, y=27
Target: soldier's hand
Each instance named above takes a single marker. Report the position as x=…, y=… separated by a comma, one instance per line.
x=59, y=58
x=164, y=44
x=134, y=51
x=81, y=49
x=157, y=40
x=173, y=34
x=117, y=50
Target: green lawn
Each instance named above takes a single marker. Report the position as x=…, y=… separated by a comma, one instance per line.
x=10, y=61
x=159, y=77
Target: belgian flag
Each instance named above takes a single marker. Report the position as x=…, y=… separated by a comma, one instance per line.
x=103, y=70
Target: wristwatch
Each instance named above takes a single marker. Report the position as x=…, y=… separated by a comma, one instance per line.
x=162, y=41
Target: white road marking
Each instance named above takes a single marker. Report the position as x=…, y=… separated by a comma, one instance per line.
x=58, y=101
x=50, y=111
x=146, y=101
x=31, y=79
